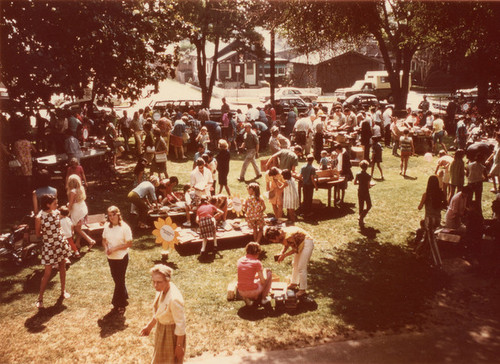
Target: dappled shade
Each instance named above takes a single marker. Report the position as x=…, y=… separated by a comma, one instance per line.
x=375, y=286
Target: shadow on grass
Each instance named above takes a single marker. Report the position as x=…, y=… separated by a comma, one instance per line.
x=111, y=323
x=36, y=323
x=369, y=232
x=329, y=213
x=375, y=286
x=251, y=313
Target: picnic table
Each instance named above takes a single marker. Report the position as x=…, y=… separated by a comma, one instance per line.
x=326, y=180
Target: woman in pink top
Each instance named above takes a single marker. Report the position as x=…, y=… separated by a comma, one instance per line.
x=253, y=283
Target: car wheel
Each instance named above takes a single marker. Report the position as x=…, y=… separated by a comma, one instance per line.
x=390, y=99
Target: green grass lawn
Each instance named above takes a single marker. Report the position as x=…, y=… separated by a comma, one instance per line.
x=362, y=283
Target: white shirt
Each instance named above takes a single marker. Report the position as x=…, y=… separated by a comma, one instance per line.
x=303, y=124
x=253, y=114
x=387, y=116
x=376, y=131
x=117, y=235
x=168, y=309
x=67, y=227
x=199, y=179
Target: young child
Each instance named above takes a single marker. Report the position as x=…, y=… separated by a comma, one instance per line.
x=165, y=191
x=407, y=150
x=78, y=209
x=206, y=217
x=275, y=186
x=254, y=211
x=290, y=195
x=324, y=162
x=377, y=156
x=457, y=173
x=190, y=202
x=203, y=138
x=75, y=168
x=55, y=247
x=223, y=165
x=363, y=180
x=307, y=174
x=67, y=230
x=334, y=161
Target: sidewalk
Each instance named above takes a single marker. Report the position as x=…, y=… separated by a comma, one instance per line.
x=438, y=346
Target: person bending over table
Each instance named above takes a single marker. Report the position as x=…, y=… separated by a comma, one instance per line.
x=169, y=318
x=143, y=196
x=301, y=244
x=254, y=283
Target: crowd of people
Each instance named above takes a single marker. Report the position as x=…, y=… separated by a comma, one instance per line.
x=287, y=137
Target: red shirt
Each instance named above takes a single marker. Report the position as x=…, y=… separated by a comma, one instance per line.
x=78, y=170
x=206, y=210
x=247, y=268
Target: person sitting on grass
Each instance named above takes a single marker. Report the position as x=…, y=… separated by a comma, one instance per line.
x=55, y=248
x=206, y=215
x=363, y=180
x=254, y=282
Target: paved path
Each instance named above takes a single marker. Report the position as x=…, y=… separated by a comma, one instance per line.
x=449, y=346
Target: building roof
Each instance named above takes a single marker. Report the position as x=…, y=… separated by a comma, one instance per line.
x=316, y=58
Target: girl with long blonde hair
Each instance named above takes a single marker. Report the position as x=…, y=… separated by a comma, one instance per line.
x=78, y=209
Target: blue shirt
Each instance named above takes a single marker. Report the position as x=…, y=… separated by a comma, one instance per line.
x=306, y=172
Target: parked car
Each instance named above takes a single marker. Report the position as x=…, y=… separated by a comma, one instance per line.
x=184, y=105
x=360, y=101
x=291, y=92
x=285, y=104
x=72, y=105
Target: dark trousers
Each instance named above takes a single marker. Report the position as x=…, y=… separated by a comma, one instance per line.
x=387, y=135
x=118, y=269
x=366, y=152
x=308, y=198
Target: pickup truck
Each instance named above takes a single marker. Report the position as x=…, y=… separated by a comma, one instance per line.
x=375, y=83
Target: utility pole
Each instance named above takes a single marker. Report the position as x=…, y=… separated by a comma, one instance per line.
x=273, y=67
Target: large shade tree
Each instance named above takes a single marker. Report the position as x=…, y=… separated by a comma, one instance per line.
x=216, y=21
x=399, y=27
x=114, y=47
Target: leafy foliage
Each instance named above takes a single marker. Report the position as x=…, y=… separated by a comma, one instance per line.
x=400, y=29
x=215, y=21
x=66, y=46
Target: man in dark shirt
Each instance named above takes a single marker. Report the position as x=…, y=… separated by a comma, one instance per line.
x=251, y=143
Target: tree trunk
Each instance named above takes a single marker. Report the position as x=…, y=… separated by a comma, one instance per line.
x=482, y=93
x=207, y=95
x=272, y=65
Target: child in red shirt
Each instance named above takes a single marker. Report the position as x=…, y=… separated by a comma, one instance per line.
x=205, y=217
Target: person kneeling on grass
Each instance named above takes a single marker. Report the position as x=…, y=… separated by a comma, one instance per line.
x=254, y=283
x=302, y=245
x=205, y=217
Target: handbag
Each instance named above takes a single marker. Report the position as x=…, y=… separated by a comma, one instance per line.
x=161, y=157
